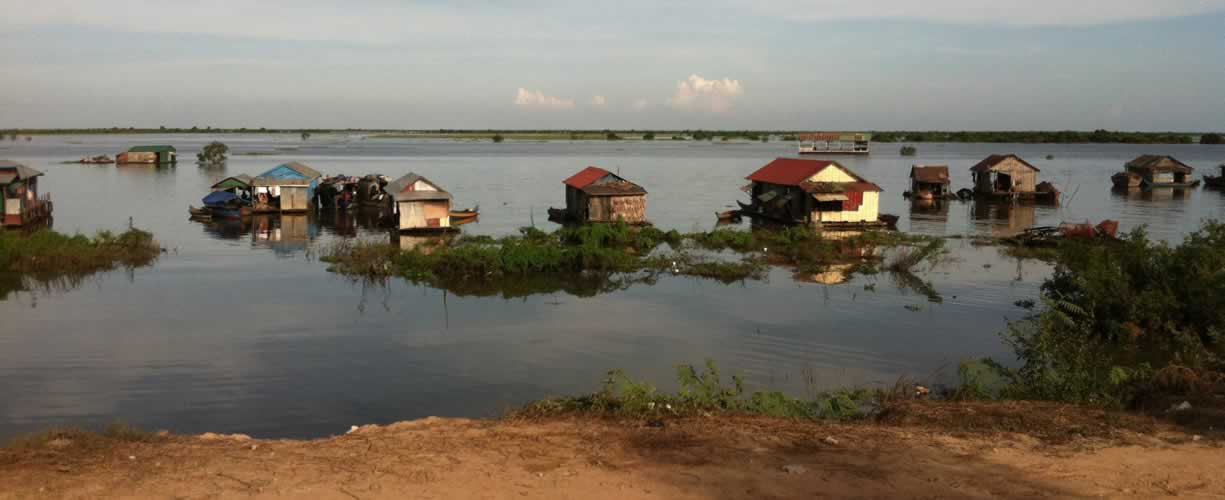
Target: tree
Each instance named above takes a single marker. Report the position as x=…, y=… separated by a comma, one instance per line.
x=213, y=154
x=306, y=135
x=612, y=136
x=1212, y=138
x=649, y=136
x=908, y=151
x=498, y=138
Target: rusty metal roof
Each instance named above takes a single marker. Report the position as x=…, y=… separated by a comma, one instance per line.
x=936, y=174
x=990, y=162
x=839, y=187
x=597, y=181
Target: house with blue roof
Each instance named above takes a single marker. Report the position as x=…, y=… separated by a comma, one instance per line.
x=289, y=187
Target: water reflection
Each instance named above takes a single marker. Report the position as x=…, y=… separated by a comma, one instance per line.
x=1153, y=194
x=1003, y=219
x=930, y=216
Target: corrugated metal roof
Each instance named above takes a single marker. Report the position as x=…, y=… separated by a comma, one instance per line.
x=938, y=174
x=152, y=149
x=1159, y=163
x=402, y=189
x=12, y=171
x=240, y=180
x=790, y=171
x=287, y=174
x=991, y=161
x=585, y=176
x=839, y=187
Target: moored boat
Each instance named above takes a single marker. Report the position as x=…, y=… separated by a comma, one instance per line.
x=1215, y=181
x=460, y=217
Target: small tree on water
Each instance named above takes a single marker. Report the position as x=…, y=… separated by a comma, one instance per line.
x=306, y=135
x=498, y=138
x=213, y=153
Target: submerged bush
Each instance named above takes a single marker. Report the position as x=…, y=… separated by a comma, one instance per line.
x=48, y=252
x=1116, y=316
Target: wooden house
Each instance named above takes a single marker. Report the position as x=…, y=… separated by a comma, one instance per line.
x=149, y=154
x=929, y=181
x=813, y=192
x=1154, y=171
x=834, y=143
x=289, y=187
x=597, y=195
x=420, y=205
x=19, y=194
x=1010, y=177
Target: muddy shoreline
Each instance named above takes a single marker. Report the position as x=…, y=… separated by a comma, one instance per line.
x=928, y=449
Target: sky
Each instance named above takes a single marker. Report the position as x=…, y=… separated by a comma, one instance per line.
x=1153, y=65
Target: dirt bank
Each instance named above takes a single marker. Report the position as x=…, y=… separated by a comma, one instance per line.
x=590, y=458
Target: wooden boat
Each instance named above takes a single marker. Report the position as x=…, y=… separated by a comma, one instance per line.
x=97, y=160
x=1214, y=181
x=465, y=215
x=728, y=215
x=752, y=211
x=557, y=214
x=199, y=213
x=231, y=212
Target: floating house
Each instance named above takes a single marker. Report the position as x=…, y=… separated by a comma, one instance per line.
x=235, y=184
x=149, y=154
x=834, y=143
x=420, y=205
x=597, y=195
x=815, y=192
x=1011, y=177
x=19, y=193
x=929, y=181
x=1154, y=171
x=289, y=187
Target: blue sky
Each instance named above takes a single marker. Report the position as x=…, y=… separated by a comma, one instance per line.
x=789, y=64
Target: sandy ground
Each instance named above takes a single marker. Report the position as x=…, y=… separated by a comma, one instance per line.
x=589, y=458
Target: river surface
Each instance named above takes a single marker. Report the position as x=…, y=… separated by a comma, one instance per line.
x=239, y=328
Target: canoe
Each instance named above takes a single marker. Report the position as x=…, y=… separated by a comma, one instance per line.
x=199, y=213
x=465, y=214
x=728, y=215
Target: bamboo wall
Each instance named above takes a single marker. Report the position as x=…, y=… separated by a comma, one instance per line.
x=612, y=208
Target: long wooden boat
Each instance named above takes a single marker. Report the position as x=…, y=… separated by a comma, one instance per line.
x=728, y=215
x=752, y=211
x=202, y=213
x=470, y=213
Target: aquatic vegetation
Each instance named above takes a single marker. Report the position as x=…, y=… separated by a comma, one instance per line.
x=1128, y=323
x=705, y=391
x=51, y=260
x=908, y=151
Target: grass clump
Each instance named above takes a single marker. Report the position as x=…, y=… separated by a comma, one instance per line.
x=702, y=392
x=79, y=437
x=46, y=252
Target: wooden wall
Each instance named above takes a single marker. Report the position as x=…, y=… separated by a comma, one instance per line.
x=1024, y=179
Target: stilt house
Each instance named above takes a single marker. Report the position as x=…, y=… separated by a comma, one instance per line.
x=19, y=195
x=814, y=191
x=288, y=187
x=420, y=205
x=597, y=195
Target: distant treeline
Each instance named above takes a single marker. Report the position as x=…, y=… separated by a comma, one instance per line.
x=1034, y=137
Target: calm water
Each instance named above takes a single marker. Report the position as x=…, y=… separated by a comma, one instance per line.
x=239, y=329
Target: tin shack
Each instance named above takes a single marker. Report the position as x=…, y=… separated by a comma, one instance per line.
x=289, y=187
x=929, y=181
x=19, y=192
x=597, y=195
x=420, y=205
x=149, y=154
x=1009, y=177
x=813, y=192
x=1154, y=171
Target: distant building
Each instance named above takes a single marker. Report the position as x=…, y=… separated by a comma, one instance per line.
x=289, y=187
x=19, y=195
x=1009, y=176
x=813, y=191
x=149, y=154
x=929, y=181
x=1154, y=171
x=420, y=204
x=597, y=195
x=834, y=143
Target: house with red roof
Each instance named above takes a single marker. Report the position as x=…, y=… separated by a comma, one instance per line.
x=813, y=192
x=597, y=195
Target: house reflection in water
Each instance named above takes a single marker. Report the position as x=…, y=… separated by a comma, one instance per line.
x=1152, y=194
x=929, y=216
x=1003, y=219
x=284, y=234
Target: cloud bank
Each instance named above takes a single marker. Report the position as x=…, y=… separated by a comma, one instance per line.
x=699, y=94
x=530, y=99
x=994, y=12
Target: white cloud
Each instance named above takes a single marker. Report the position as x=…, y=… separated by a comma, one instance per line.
x=1015, y=12
x=538, y=100
x=599, y=101
x=697, y=93
x=639, y=104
